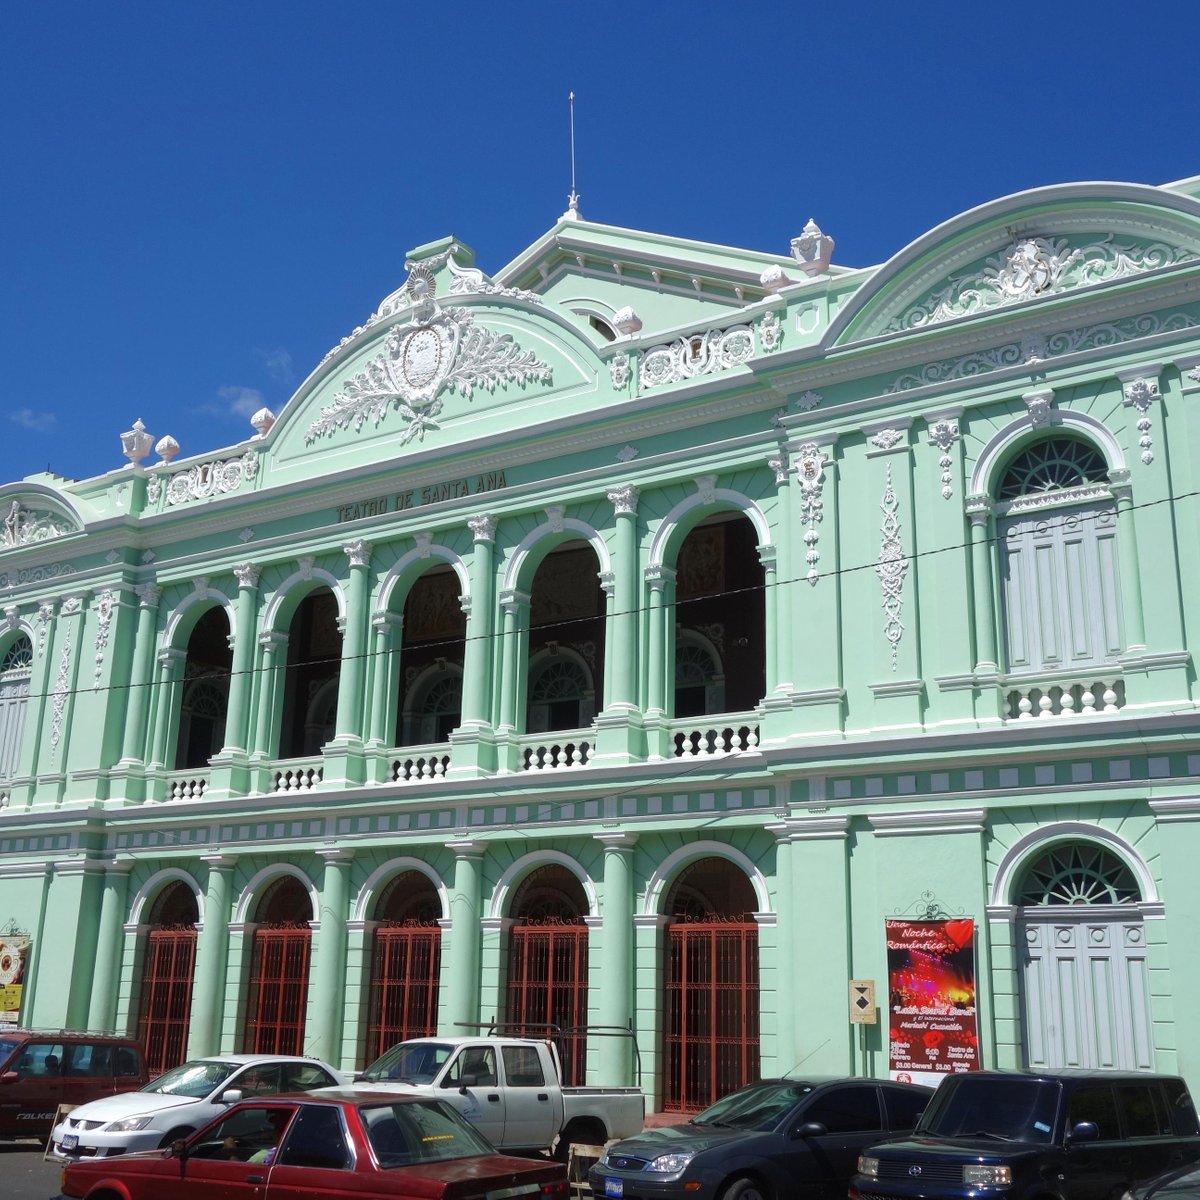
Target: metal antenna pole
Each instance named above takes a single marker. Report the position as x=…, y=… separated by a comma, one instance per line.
x=573, y=198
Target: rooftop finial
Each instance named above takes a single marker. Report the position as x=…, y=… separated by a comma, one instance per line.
x=572, y=213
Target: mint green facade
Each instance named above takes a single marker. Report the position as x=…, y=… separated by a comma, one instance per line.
x=965, y=485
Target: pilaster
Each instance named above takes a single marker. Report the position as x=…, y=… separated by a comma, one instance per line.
x=473, y=749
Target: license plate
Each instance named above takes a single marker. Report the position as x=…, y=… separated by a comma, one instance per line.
x=69, y=1142
x=614, y=1188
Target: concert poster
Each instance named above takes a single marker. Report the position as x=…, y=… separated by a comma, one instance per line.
x=931, y=999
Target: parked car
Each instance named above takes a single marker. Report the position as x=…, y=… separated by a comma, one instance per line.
x=1053, y=1134
x=510, y=1089
x=368, y=1145
x=178, y=1102
x=1182, y=1183
x=41, y=1069
x=781, y=1139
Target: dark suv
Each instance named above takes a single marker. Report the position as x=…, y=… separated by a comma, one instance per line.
x=42, y=1069
x=1044, y=1135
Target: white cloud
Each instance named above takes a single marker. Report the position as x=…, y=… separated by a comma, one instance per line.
x=34, y=421
x=278, y=363
x=241, y=401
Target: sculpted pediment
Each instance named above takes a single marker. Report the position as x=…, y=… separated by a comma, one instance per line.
x=1022, y=250
x=27, y=518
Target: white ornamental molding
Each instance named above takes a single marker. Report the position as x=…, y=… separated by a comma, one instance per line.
x=695, y=355
x=624, y=499
x=359, y=552
x=706, y=485
x=482, y=527
x=205, y=479
x=62, y=689
x=472, y=281
x=1034, y=266
x=24, y=525
x=247, y=575
x=1140, y=394
x=439, y=350
x=555, y=516
x=943, y=435
x=807, y=401
x=45, y=614
x=424, y=543
x=618, y=372
x=12, y=617
x=810, y=471
x=1030, y=351
x=885, y=439
x=770, y=331
x=779, y=467
x=891, y=568
x=627, y=454
x=1039, y=406
x=104, y=607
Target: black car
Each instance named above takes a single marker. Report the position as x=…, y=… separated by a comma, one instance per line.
x=1053, y=1135
x=780, y=1139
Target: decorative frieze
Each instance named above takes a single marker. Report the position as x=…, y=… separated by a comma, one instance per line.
x=1030, y=351
x=1031, y=267
x=24, y=525
x=810, y=471
x=695, y=355
x=891, y=568
x=204, y=480
x=104, y=606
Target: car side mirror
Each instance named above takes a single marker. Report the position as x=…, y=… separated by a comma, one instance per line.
x=179, y=1148
x=467, y=1081
x=10, y=1077
x=231, y=1096
x=811, y=1129
x=1084, y=1131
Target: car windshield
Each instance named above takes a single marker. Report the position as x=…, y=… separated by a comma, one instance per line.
x=193, y=1078
x=409, y=1062
x=1009, y=1110
x=758, y=1107
x=427, y=1131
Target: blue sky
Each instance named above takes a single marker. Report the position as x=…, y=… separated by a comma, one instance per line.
x=197, y=200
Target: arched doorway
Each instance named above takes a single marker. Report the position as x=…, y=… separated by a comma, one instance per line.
x=204, y=699
x=431, y=660
x=711, y=1021
x=406, y=961
x=164, y=1007
x=314, y=666
x=1085, y=993
x=278, y=991
x=16, y=666
x=547, y=964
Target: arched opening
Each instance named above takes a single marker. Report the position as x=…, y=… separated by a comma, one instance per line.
x=1059, y=567
x=720, y=619
x=278, y=992
x=1085, y=992
x=406, y=961
x=164, y=1007
x=310, y=685
x=711, y=1032
x=431, y=660
x=566, y=641
x=547, y=965
x=204, y=699
x=16, y=667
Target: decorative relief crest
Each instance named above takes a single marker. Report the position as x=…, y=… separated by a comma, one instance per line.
x=807, y=401
x=943, y=435
x=206, y=479
x=1038, y=404
x=770, y=331
x=626, y=454
x=104, y=606
x=555, y=515
x=1051, y=346
x=891, y=568
x=885, y=439
x=1140, y=394
x=440, y=349
x=24, y=525
x=810, y=471
x=706, y=485
x=618, y=372
x=1032, y=267
x=695, y=355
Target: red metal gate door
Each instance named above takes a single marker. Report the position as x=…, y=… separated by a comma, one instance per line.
x=405, y=968
x=278, y=990
x=712, y=1012
x=165, y=1002
x=547, y=986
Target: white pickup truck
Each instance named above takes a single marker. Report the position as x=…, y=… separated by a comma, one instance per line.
x=510, y=1089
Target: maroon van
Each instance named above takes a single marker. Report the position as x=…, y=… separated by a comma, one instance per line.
x=43, y=1069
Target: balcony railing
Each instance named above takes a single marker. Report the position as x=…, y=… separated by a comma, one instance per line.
x=299, y=776
x=562, y=752
x=1047, y=699
x=419, y=764
x=714, y=737
x=185, y=785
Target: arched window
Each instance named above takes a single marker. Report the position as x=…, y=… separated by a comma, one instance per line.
x=561, y=695
x=436, y=706
x=699, y=681
x=429, y=702
x=1057, y=530
x=16, y=666
x=204, y=700
x=310, y=686
x=278, y=997
x=1078, y=873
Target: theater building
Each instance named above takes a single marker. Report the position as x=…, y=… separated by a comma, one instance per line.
x=618, y=641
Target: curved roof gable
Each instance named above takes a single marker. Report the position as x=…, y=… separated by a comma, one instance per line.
x=1021, y=249
x=30, y=513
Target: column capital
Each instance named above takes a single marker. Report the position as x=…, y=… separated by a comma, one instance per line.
x=171, y=656
x=271, y=638
x=358, y=552
x=219, y=862
x=624, y=499
x=620, y=843
x=148, y=594
x=656, y=573
x=247, y=575
x=779, y=466
x=384, y=621
x=511, y=599
x=335, y=854
x=482, y=527
x=466, y=849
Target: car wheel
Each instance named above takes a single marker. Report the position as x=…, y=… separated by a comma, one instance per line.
x=173, y=1135
x=745, y=1189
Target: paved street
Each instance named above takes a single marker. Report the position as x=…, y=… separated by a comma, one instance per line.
x=25, y=1176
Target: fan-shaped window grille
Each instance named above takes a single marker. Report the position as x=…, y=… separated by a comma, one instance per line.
x=560, y=681
x=560, y=695
x=17, y=658
x=1052, y=465
x=699, y=683
x=1078, y=873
